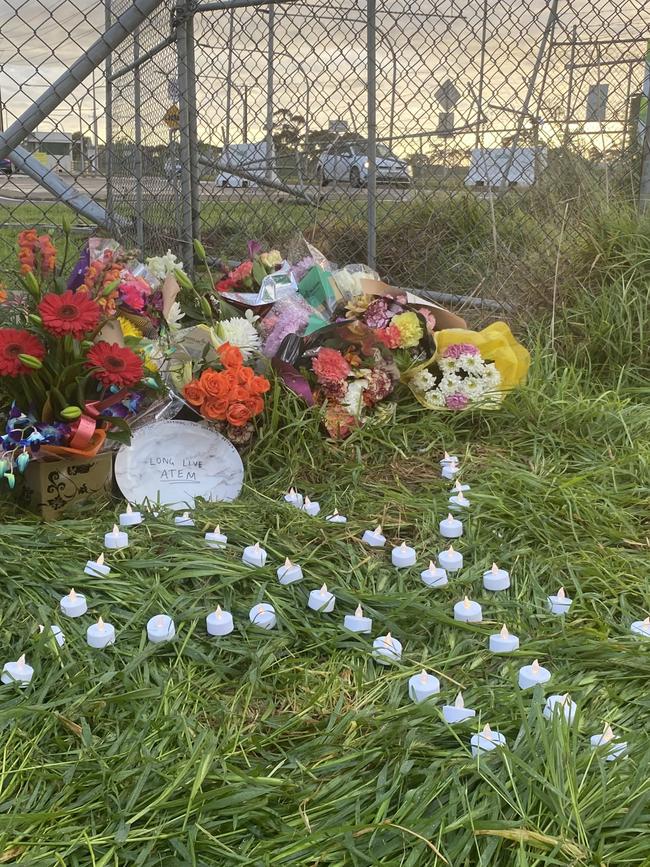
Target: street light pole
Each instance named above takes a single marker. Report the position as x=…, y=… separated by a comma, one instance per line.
x=269, y=95
x=231, y=29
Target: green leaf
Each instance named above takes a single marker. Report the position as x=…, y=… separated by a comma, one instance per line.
x=259, y=271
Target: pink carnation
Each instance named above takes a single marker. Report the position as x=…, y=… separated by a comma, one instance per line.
x=389, y=336
x=241, y=272
x=458, y=349
x=456, y=401
x=330, y=366
x=380, y=386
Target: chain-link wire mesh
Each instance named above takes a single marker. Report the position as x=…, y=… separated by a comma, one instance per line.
x=500, y=128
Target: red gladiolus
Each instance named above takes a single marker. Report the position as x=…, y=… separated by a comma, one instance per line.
x=114, y=365
x=71, y=313
x=14, y=342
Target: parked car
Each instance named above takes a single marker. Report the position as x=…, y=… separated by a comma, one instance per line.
x=6, y=167
x=348, y=162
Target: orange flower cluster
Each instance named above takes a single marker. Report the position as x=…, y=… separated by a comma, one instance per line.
x=99, y=274
x=31, y=247
x=233, y=394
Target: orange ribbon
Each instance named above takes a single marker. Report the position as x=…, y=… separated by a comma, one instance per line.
x=83, y=429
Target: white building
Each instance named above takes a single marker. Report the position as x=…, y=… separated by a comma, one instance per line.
x=53, y=149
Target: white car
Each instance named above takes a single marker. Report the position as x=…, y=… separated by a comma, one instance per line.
x=348, y=162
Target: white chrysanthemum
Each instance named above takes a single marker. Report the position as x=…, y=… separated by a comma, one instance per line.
x=472, y=387
x=449, y=384
x=491, y=376
x=434, y=399
x=447, y=365
x=423, y=381
x=471, y=363
x=353, y=400
x=174, y=316
x=237, y=332
x=162, y=266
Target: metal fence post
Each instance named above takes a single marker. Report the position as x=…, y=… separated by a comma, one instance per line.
x=187, y=251
x=194, y=136
x=269, y=94
x=108, y=145
x=372, y=131
x=137, y=107
x=644, y=117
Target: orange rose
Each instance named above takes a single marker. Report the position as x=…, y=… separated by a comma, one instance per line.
x=230, y=356
x=215, y=408
x=194, y=393
x=245, y=375
x=238, y=414
x=214, y=383
x=255, y=404
x=259, y=385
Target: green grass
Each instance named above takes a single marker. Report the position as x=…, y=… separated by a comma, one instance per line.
x=293, y=747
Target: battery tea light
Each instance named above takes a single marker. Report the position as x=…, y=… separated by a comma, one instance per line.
x=312, y=509
x=294, y=498
x=357, y=622
x=321, y=600
x=130, y=518
x=560, y=603
x=184, y=520
x=468, y=611
x=403, y=556
x=459, y=501
x=116, y=538
x=422, y=686
x=486, y=741
x=503, y=641
x=386, y=649
x=458, y=487
x=496, y=579
x=335, y=518
x=531, y=675
x=451, y=560
x=457, y=712
x=216, y=539
x=17, y=672
x=374, y=538
x=160, y=628
x=263, y=615
x=100, y=634
x=434, y=576
x=254, y=555
x=641, y=627
x=451, y=528
x=74, y=604
x=56, y=631
x=97, y=567
x=613, y=750
x=289, y=573
x=560, y=705
x=219, y=622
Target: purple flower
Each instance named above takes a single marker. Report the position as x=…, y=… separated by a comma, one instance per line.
x=254, y=249
x=293, y=317
x=456, y=401
x=376, y=315
x=77, y=274
x=458, y=349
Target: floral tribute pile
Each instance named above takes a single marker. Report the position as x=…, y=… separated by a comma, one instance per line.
x=65, y=370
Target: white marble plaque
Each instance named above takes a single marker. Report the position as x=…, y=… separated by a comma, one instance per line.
x=172, y=462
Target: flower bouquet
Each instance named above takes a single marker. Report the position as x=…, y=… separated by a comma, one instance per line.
x=249, y=275
x=344, y=368
x=66, y=386
x=470, y=368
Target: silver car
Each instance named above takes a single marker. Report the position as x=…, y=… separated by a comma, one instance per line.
x=348, y=162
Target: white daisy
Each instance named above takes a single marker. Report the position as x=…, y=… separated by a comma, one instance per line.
x=434, y=399
x=237, y=332
x=423, y=381
x=472, y=387
x=471, y=363
x=449, y=384
x=447, y=365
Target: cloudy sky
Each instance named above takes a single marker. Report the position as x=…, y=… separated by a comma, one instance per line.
x=320, y=65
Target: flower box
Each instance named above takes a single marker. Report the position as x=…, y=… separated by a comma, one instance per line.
x=50, y=487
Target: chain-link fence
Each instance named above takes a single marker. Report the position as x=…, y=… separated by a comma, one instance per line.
x=458, y=145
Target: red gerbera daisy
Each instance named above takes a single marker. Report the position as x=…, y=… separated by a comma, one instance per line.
x=13, y=343
x=114, y=365
x=69, y=313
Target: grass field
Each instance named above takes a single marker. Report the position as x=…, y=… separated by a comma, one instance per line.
x=293, y=746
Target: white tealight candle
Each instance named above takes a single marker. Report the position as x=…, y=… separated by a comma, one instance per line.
x=531, y=675
x=403, y=556
x=254, y=555
x=216, y=539
x=97, y=567
x=503, y=641
x=312, y=509
x=451, y=528
x=434, y=576
x=17, y=672
x=423, y=685
x=56, y=631
x=116, y=538
x=560, y=603
x=613, y=750
x=184, y=520
x=496, y=579
x=458, y=487
x=100, y=634
x=160, y=627
x=449, y=471
x=459, y=501
x=262, y=615
x=374, y=538
x=130, y=518
x=451, y=560
x=357, y=622
x=386, y=649
x=468, y=611
x=457, y=712
x=560, y=705
x=335, y=518
x=448, y=459
x=294, y=498
x=289, y=572
x=74, y=604
x=487, y=740
x=321, y=600
x=219, y=622
x=641, y=627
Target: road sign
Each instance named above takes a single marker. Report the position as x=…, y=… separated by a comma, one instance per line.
x=171, y=118
x=445, y=123
x=447, y=94
x=173, y=90
x=597, y=103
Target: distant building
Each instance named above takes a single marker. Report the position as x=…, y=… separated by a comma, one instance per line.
x=53, y=149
